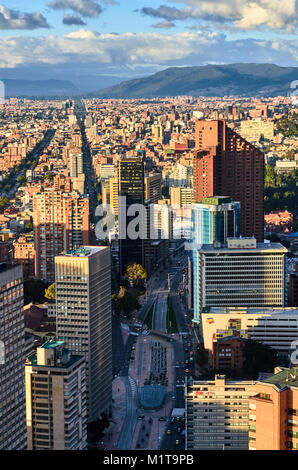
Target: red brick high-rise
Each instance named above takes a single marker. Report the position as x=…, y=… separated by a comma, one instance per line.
x=61, y=223
x=226, y=164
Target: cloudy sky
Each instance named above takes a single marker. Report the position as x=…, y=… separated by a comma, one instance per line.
x=83, y=40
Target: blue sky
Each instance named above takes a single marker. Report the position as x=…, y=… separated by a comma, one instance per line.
x=126, y=38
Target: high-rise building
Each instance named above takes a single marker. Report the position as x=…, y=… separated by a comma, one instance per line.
x=24, y=253
x=131, y=187
x=181, y=196
x=273, y=412
x=75, y=164
x=240, y=273
x=84, y=318
x=61, y=222
x=214, y=220
x=276, y=327
x=153, y=188
x=216, y=414
x=226, y=164
x=293, y=287
x=114, y=195
x=56, y=399
x=12, y=359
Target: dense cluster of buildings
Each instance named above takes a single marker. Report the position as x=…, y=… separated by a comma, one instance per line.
x=172, y=171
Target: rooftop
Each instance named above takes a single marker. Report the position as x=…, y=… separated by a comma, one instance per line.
x=284, y=378
x=83, y=251
x=261, y=247
x=250, y=311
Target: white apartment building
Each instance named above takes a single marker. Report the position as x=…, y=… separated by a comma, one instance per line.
x=217, y=414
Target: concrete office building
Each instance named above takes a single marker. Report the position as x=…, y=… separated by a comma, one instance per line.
x=240, y=273
x=275, y=326
x=273, y=412
x=12, y=359
x=217, y=414
x=84, y=318
x=56, y=399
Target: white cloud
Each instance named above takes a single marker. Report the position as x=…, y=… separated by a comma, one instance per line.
x=90, y=49
x=86, y=8
x=276, y=15
x=13, y=19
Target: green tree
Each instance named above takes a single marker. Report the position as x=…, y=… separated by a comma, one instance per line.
x=135, y=274
x=3, y=203
x=126, y=302
x=50, y=292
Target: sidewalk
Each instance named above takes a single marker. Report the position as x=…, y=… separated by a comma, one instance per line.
x=112, y=433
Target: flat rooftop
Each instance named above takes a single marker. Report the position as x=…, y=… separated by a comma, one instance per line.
x=261, y=247
x=52, y=344
x=285, y=378
x=83, y=251
x=250, y=311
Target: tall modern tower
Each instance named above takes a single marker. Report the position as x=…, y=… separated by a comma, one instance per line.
x=226, y=164
x=214, y=220
x=84, y=319
x=13, y=435
x=56, y=399
x=131, y=187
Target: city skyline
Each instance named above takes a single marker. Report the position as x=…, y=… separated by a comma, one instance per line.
x=87, y=40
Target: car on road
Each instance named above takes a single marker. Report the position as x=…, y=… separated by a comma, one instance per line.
x=161, y=419
x=141, y=417
x=187, y=371
x=177, y=442
x=169, y=432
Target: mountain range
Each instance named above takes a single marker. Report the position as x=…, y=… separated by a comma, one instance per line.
x=208, y=80
x=21, y=88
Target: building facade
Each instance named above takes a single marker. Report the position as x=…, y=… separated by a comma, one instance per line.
x=84, y=319
x=213, y=221
x=226, y=164
x=56, y=399
x=273, y=412
x=240, y=273
x=12, y=359
x=217, y=414
x=275, y=327
x=132, y=191
x=61, y=222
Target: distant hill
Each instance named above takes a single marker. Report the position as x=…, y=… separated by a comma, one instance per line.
x=208, y=80
x=20, y=88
